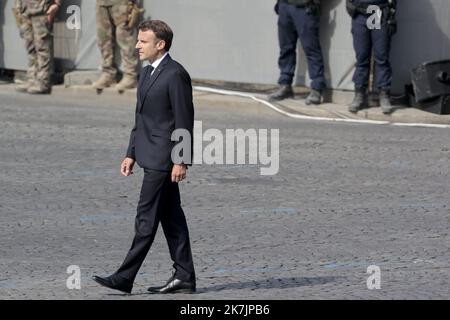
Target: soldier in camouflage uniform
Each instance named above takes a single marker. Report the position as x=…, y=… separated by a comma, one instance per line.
x=113, y=27
x=35, y=21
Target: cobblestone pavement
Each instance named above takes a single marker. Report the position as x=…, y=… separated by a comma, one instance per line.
x=346, y=197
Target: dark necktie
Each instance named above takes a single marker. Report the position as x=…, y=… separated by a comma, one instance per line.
x=148, y=74
x=146, y=79
x=150, y=70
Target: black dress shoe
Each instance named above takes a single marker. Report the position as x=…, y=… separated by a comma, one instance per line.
x=113, y=283
x=174, y=286
x=162, y=286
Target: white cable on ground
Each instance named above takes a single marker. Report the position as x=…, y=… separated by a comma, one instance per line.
x=302, y=117
x=427, y=125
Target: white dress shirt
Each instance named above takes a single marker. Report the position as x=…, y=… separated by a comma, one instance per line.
x=157, y=62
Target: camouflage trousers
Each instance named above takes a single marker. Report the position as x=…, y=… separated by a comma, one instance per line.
x=38, y=36
x=111, y=29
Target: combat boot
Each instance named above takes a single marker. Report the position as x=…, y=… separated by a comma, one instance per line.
x=359, y=101
x=285, y=91
x=127, y=82
x=105, y=81
x=314, y=97
x=23, y=87
x=385, y=102
x=37, y=89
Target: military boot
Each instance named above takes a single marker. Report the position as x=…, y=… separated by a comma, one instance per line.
x=38, y=89
x=314, y=97
x=359, y=101
x=105, y=81
x=127, y=82
x=285, y=91
x=23, y=87
x=385, y=102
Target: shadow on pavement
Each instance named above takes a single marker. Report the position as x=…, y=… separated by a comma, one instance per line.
x=272, y=283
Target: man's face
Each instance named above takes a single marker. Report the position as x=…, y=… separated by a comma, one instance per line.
x=150, y=48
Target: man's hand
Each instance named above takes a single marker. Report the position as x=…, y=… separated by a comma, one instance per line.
x=126, y=167
x=51, y=12
x=178, y=173
x=392, y=27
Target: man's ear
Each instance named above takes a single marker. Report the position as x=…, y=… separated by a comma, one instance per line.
x=161, y=45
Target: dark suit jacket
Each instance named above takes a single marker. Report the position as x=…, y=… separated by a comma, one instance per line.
x=164, y=103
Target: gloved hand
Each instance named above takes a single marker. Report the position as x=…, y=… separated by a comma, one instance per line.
x=391, y=22
x=391, y=27
x=313, y=9
x=351, y=8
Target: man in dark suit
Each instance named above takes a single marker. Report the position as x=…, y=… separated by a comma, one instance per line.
x=164, y=104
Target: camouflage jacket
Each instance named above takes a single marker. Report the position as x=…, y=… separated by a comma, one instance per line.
x=34, y=7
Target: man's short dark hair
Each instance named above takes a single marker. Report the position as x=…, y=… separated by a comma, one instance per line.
x=161, y=30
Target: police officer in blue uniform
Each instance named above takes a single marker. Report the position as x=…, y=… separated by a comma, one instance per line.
x=299, y=19
x=367, y=37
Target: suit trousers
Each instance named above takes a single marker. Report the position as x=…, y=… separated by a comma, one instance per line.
x=159, y=202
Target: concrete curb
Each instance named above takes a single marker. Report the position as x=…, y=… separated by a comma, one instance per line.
x=297, y=108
